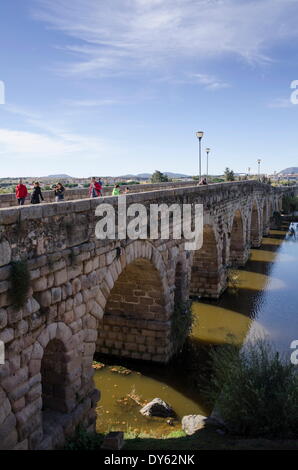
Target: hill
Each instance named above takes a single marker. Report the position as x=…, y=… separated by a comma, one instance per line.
x=289, y=171
x=148, y=175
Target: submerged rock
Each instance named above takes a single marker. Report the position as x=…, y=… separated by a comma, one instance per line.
x=158, y=408
x=193, y=423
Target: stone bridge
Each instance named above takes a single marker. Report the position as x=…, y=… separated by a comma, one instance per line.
x=115, y=297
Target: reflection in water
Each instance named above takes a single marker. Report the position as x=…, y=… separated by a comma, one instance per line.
x=270, y=257
x=219, y=325
x=264, y=301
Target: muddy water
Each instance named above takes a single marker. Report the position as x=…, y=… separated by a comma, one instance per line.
x=262, y=299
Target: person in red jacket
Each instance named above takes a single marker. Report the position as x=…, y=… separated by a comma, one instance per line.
x=95, y=188
x=21, y=193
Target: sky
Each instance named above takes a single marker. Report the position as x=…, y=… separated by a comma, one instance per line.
x=110, y=87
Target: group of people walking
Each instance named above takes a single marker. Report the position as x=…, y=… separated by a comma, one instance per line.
x=36, y=196
x=95, y=190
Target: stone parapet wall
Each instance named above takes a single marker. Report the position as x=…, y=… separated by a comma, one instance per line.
x=9, y=199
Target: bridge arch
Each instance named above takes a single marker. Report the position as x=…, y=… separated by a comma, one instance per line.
x=56, y=366
x=238, y=244
x=137, y=306
x=255, y=226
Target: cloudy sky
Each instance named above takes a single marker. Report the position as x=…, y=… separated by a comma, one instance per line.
x=109, y=87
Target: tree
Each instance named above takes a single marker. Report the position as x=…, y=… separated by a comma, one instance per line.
x=229, y=174
x=159, y=177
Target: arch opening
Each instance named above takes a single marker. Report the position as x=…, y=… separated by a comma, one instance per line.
x=56, y=393
x=255, y=232
x=135, y=323
x=238, y=248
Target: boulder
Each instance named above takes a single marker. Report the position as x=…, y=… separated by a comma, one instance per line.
x=193, y=423
x=159, y=408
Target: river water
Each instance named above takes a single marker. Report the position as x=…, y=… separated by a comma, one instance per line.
x=262, y=299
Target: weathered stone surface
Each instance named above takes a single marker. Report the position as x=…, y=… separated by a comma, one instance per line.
x=5, y=253
x=158, y=407
x=193, y=423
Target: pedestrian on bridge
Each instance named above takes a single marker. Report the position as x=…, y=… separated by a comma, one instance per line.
x=59, y=191
x=95, y=188
x=36, y=195
x=21, y=193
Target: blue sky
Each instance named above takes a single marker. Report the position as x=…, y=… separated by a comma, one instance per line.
x=120, y=86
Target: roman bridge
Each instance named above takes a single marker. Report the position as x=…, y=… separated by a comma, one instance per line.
x=65, y=295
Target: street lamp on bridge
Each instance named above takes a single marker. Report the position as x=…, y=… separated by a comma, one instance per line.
x=207, y=153
x=199, y=135
x=259, y=166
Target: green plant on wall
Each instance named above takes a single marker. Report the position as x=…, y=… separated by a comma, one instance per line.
x=20, y=282
x=182, y=323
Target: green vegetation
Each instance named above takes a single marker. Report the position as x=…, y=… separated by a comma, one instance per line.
x=205, y=439
x=20, y=282
x=229, y=174
x=277, y=219
x=159, y=177
x=255, y=390
x=289, y=204
x=182, y=323
x=82, y=440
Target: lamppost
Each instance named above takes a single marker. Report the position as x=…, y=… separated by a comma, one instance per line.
x=248, y=171
x=207, y=153
x=259, y=166
x=199, y=135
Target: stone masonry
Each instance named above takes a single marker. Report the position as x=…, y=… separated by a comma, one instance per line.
x=114, y=297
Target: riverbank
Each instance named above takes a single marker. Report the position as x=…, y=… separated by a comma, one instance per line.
x=205, y=439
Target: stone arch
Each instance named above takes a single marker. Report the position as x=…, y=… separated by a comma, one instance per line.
x=208, y=276
x=255, y=226
x=8, y=431
x=56, y=361
x=137, y=304
x=238, y=247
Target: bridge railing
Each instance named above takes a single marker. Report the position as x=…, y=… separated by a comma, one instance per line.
x=9, y=199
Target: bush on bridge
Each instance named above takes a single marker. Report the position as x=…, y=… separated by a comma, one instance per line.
x=20, y=282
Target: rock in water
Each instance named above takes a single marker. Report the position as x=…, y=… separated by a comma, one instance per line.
x=158, y=407
x=193, y=423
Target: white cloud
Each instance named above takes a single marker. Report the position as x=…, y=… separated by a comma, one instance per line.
x=23, y=144
x=92, y=103
x=208, y=81
x=121, y=36
x=281, y=103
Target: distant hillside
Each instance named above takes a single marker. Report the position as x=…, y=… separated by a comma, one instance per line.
x=289, y=171
x=148, y=175
x=62, y=175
